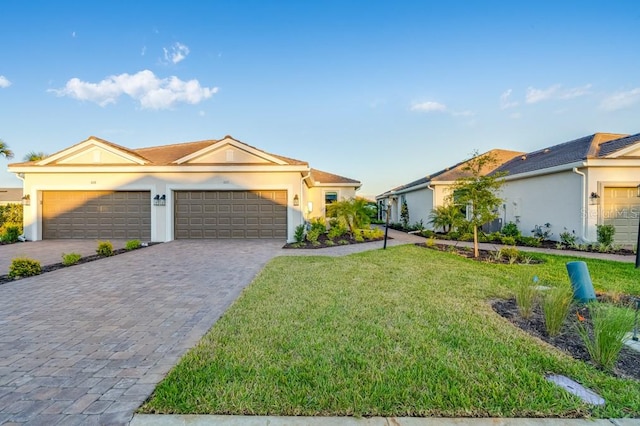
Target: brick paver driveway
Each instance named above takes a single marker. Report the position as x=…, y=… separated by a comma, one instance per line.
x=87, y=344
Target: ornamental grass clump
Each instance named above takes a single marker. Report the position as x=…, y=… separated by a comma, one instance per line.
x=555, y=306
x=526, y=294
x=609, y=326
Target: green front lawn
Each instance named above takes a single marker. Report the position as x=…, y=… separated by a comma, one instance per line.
x=401, y=332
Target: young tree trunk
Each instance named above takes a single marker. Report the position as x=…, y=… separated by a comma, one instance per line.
x=476, y=252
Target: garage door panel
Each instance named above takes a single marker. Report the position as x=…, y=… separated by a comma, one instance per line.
x=620, y=209
x=96, y=214
x=231, y=214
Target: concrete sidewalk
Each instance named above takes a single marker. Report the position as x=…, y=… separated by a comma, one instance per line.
x=175, y=420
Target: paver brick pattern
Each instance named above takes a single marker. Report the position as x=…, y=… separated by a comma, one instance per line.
x=88, y=344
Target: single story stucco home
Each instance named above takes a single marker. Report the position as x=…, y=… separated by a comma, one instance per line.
x=205, y=189
x=573, y=186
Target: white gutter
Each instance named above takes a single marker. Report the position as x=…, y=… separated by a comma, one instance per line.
x=302, y=179
x=414, y=188
x=585, y=208
x=547, y=171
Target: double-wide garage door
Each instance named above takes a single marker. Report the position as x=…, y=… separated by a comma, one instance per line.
x=230, y=214
x=622, y=210
x=96, y=215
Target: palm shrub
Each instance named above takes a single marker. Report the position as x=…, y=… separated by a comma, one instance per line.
x=555, y=306
x=447, y=217
x=352, y=213
x=610, y=325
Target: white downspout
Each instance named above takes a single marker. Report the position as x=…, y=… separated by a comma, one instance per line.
x=302, y=179
x=585, y=208
x=18, y=175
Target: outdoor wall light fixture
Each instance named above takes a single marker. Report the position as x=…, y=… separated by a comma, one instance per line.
x=26, y=200
x=594, y=198
x=296, y=200
x=159, y=200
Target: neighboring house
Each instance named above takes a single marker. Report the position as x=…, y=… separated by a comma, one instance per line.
x=577, y=185
x=10, y=196
x=573, y=186
x=429, y=192
x=206, y=189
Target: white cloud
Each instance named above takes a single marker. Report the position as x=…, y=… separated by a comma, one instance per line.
x=177, y=53
x=621, y=100
x=575, y=92
x=152, y=92
x=536, y=95
x=505, y=101
x=4, y=82
x=144, y=51
x=555, y=92
x=429, y=106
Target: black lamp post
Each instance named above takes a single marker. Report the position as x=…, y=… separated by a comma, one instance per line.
x=638, y=243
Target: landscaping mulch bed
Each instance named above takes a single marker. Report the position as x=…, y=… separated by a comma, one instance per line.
x=483, y=255
x=569, y=341
x=324, y=241
x=55, y=266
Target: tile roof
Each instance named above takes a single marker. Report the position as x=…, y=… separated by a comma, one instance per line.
x=558, y=155
x=610, y=147
x=457, y=171
x=10, y=195
x=167, y=154
x=325, y=177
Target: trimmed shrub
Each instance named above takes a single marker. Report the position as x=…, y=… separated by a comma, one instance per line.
x=511, y=230
x=605, y=234
x=132, y=244
x=298, y=235
x=105, y=248
x=24, y=267
x=510, y=241
x=70, y=258
x=337, y=230
x=313, y=234
x=11, y=234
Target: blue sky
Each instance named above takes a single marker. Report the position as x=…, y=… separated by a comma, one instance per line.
x=380, y=91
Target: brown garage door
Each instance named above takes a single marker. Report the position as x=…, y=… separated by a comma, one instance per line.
x=230, y=214
x=96, y=214
x=621, y=208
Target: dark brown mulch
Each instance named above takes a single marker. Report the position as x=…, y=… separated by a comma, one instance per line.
x=483, y=255
x=323, y=242
x=568, y=340
x=55, y=266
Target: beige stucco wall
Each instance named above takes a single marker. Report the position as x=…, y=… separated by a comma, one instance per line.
x=165, y=183
x=316, y=196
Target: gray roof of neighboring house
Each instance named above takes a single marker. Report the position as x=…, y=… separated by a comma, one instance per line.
x=10, y=195
x=610, y=147
x=456, y=171
x=568, y=152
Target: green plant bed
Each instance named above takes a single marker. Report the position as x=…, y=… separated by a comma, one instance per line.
x=324, y=241
x=397, y=332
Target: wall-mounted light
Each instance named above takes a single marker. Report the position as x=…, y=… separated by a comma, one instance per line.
x=594, y=198
x=26, y=200
x=159, y=200
x=309, y=207
x=296, y=200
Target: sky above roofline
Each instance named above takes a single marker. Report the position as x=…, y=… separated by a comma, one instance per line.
x=379, y=92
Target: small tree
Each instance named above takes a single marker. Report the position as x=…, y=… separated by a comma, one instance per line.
x=353, y=213
x=478, y=192
x=404, y=214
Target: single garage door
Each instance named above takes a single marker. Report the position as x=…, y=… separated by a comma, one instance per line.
x=621, y=208
x=230, y=214
x=96, y=215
